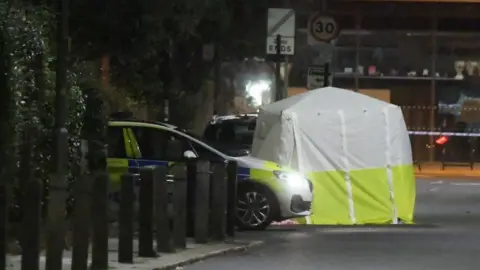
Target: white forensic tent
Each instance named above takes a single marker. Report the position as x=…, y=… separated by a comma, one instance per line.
x=354, y=148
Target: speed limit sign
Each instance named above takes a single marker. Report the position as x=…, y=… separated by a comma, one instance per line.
x=322, y=28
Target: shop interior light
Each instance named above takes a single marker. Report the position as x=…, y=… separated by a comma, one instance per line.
x=255, y=90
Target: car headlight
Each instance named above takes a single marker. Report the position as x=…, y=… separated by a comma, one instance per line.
x=292, y=179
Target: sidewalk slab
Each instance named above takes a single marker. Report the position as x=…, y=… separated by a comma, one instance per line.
x=165, y=261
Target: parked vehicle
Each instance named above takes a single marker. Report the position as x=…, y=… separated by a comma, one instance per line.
x=232, y=134
x=267, y=192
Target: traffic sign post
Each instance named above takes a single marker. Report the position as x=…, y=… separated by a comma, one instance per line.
x=278, y=79
x=280, y=41
x=321, y=28
x=318, y=76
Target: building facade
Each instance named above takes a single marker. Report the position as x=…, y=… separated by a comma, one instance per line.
x=421, y=55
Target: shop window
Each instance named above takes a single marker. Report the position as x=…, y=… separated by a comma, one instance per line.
x=458, y=110
x=345, y=82
x=458, y=25
x=345, y=22
x=458, y=56
x=395, y=54
x=345, y=54
x=382, y=23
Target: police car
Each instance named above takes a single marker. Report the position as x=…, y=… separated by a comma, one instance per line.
x=267, y=192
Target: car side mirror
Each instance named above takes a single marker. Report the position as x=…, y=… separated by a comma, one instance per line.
x=189, y=154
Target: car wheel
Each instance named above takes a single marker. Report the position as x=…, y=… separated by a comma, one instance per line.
x=256, y=209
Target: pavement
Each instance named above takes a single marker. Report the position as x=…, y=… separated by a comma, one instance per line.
x=193, y=253
x=446, y=237
x=453, y=171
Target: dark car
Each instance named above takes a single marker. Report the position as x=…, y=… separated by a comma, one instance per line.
x=232, y=134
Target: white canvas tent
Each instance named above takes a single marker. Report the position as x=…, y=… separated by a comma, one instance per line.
x=354, y=148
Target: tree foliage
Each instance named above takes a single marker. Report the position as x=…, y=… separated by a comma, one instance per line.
x=156, y=47
x=31, y=76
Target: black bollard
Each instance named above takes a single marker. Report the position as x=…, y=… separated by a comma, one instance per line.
x=31, y=226
x=202, y=201
x=145, y=213
x=100, y=221
x=180, y=205
x=3, y=227
x=232, y=181
x=125, y=218
x=31, y=202
x=191, y=196
x=218, y=212
x=473, y=147
x=163, y=232
x=81, y=222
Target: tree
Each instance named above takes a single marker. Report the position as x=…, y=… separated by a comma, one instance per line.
x=155, y=48
x=7, y=127
x=27, y=98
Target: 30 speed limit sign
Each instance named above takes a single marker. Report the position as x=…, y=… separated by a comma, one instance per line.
x=322, y=28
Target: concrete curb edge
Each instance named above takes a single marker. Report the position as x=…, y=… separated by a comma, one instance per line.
x=233, y=249
x=451, y=177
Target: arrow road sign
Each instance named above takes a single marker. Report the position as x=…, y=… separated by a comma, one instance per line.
x=317, y=76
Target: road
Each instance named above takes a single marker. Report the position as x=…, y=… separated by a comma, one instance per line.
x=447, y=238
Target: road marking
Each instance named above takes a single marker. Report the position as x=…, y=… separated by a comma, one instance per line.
x=465, y=184
x=436, y=183
x=434, y=189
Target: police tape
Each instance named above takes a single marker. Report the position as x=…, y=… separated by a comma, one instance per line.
x=435, y=133
x=445, y=109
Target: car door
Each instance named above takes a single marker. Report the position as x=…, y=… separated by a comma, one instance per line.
x=150, y=145
x=119, y=152
x=119, y=161
x=152, y=148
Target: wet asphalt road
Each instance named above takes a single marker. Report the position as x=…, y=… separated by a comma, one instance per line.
x=447, y=238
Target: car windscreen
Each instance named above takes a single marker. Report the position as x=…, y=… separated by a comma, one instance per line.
x=231, y=132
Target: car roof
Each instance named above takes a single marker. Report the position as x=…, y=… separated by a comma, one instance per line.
x=135, y=122
x=161, y=125
x=234, y=118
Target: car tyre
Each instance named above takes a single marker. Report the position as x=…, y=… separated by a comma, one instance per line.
x=256, y=208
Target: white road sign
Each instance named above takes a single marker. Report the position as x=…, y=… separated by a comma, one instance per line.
x=287, y=45
x=281, y=21
x=316, y=77
x=321, y=28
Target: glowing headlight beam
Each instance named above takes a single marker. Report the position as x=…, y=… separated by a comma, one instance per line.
x=293, y=180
